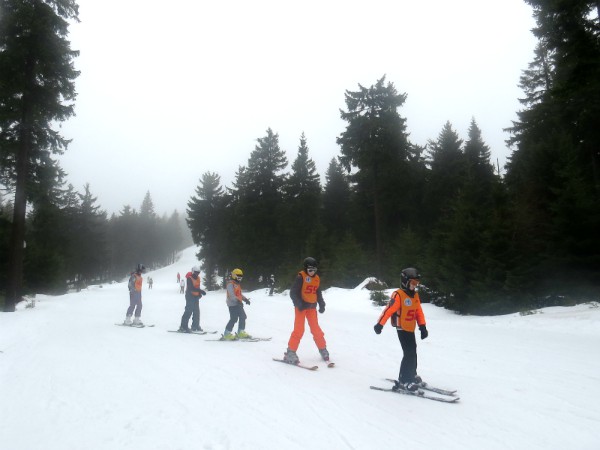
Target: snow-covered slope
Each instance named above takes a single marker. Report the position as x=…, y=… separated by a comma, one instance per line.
x=71, y=379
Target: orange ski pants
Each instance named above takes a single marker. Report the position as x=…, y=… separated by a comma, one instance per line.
x=313, y=323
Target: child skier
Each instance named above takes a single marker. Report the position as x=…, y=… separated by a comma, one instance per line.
x=405, y=310
x=135, y=297
x=193, y=295
x=306, y=295
x=235, y=301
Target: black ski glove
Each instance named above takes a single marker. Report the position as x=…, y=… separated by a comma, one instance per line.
x=424, y=332
x=378, y=327
x=202, y=292
x=322, y=307
x=247, y=301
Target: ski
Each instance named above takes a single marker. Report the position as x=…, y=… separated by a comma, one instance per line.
x=232, y=340
x=427, y=387
x=201, y=333
x=420, y=394
x=330, y=364
x=133, y=326
x=255, y=339
x=302, y=366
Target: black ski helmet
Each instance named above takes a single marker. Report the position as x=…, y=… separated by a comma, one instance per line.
x=408, y=274
x=140, y=268
x=310, y=262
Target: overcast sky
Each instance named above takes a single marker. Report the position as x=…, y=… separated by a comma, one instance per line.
x=168, y=91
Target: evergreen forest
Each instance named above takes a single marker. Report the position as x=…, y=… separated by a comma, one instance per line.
x=485, y=240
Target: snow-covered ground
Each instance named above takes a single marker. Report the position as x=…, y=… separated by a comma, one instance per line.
x=71, y=379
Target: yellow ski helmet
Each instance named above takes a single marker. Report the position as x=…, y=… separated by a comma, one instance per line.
x=237, y=274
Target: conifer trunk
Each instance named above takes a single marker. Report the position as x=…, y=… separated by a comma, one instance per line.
x=17, y=243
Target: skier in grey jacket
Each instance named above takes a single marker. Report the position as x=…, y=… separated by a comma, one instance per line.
x=235, y=301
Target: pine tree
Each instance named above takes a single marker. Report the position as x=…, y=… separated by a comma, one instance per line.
x=467, y=258
x=124, y=242
x=207, y=222
x=336, y=201
x=172, y=237
x=447, y=169
x=257, y=203
x=88, y=240
x=376, y=143
x=302, y=194
x=570, y=30
x=147, y=233
x=555, y=161
x=45, y=264
x=36, y=91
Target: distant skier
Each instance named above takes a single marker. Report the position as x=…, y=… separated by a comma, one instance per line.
x=193, y=295
x=271, y=284
x=135, y=297
x=306, y=295
x=405, y=310
x=182, y=287
x=178, y=277
x=150, y=281
x=235, y=301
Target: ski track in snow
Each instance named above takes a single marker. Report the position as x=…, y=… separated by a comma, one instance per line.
x=71, y=380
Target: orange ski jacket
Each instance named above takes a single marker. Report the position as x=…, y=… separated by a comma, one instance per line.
x=306, y=292
x=135, y=282
x=405, y=311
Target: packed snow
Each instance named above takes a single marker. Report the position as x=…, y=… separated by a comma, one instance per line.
x=71, y=379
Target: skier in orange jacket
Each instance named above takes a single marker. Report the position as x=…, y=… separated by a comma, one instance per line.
x=405, y=310
x=306, y=295
x=192, y=302
x=135, y=297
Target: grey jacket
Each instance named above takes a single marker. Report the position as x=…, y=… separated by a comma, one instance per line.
x=232, y=299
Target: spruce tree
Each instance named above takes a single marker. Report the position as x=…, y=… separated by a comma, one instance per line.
x=375, y=142
x=172, y=237
x=207, y=222
x=336, y=201
x=302, y=194
x=89, y=260
x=147, y=236
x=447, y=169
x=46, y=261
x=257, y=205
x=123, y=242
x=36, y=92
x=555, y=160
